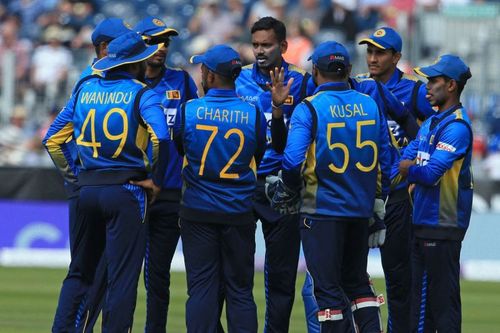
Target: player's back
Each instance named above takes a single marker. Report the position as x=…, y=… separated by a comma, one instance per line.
x=110, y=132
x=341, y=166
x=221, y=137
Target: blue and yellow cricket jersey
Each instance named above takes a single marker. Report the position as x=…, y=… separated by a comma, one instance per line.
x=442, y=175
x=395, y=113
x=251, y=86
x=175, y=87
x=112, y=121
x=223, y=138
x=339, y=141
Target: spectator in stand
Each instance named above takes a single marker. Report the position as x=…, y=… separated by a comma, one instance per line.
x=308, y=14
x=50, y=65
x=213, y=22
x=264, y=8
x=20, y=48
x=339, y=23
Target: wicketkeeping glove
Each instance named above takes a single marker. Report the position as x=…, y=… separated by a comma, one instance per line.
x=376, y=226
x=282, y=198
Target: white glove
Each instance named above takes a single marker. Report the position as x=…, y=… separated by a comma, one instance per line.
x=379, y=208
x=377, y=233
x=376, y=226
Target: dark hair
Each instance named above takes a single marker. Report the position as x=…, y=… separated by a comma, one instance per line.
x=270, y=23
x=336, y=72
x=97, y=49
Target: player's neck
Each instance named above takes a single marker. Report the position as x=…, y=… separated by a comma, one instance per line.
x=153, y=72
x=265, y=70
x=449, y=104
x=384, y=77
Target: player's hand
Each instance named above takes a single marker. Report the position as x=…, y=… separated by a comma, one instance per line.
x=404, y=167
x=151, y=189
x=376, y=232
x=279, y=91
x=270, y=186
x=282, y=198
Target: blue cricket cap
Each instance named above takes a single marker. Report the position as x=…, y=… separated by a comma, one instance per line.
x=327, y=56
x=126, y=49
x=384, y=38
x=108, y=30
x=220, y=59
x=448, y=65
x=153, y=26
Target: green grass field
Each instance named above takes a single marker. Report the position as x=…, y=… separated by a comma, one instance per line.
x=28, y=297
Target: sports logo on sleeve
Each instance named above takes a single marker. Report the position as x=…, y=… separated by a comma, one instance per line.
x=445, y=146
x=173, y=94
x=288, y=100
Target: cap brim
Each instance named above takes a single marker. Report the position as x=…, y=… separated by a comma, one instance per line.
x=427, y=72
x=107, y=63
x=371, y=41
x=167, y=31
x=197, y=59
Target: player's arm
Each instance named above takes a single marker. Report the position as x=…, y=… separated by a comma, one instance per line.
x=299, y=139
x=452, y=145
x=154, y=121
x=384, y=159
x=396, y=110
x=60, y=131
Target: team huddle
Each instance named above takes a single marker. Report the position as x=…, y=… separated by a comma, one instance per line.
x=335, y=162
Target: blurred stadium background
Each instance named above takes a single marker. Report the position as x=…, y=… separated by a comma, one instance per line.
x=45, y=44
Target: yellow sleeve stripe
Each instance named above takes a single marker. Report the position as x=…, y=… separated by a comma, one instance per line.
x=60, y=137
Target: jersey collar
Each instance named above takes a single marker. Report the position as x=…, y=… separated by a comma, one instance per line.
x=332, y=86
x=394, y=79
x=119, y=75
x=221, y=93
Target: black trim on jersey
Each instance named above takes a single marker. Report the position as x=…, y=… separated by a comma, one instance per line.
x=137, y=107
x=179, y=144
x=384, y=99
x=440, y=130
x=187, y=92
x=303, y=86
x=314, y=118
x=414, y=100
x=259, y=152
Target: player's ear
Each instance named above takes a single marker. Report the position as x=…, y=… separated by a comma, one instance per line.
x=283, y=46
x=452, y=86
x=395, y=57
x=348, y=70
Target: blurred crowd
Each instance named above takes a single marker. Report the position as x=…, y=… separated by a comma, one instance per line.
x=45, y=44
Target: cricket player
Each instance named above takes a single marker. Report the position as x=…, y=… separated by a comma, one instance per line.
x=175, y=87
x=337, y=143
x=391, y=108
x=112, y=120
x=89, y=309
x=383, y=53
x=222, y=139
x=438, y=163
x=281, y=232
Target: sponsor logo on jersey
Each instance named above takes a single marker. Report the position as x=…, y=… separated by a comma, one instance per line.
x=173, y=94
x=445, y=146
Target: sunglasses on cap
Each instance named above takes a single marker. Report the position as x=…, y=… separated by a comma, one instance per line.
x=154, y=40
